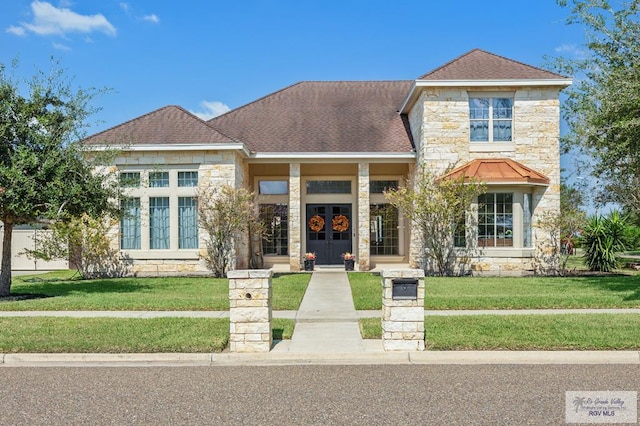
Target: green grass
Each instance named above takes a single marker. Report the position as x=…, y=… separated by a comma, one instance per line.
x=525, y=332
x=60, y=291
x=121, y=335
x=366, y=289
x=510, y=293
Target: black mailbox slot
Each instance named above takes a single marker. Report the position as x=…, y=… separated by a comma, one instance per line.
x=405, y=288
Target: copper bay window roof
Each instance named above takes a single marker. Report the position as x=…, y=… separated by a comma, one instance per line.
x=499, y=170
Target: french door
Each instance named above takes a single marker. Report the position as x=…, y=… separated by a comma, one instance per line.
x=329, y=232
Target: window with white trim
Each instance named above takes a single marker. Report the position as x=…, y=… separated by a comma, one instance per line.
x=159, y=223
x=187, y=223
x=490, y=119
x=160, y=212
x=130, y=225
x=275, y=240
x=385, y=234
x=495, y=220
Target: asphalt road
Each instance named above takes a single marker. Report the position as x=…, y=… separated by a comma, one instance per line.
x=293, y=395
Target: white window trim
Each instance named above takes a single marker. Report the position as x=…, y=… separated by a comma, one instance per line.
x=491, y=145
x=173, y=192
x=518, y=250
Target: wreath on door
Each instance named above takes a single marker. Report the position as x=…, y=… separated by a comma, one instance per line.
x=340, y=223
x=316, y=223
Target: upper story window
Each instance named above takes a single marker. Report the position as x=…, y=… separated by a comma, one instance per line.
x=130, y=179
x=491, y=119
x=187, y=179
x=159, y=179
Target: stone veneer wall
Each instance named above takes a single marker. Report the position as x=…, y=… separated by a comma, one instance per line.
x=402, y=320
x=295, y=231
x=250, y=311
x=440, y=124
x=214, y=168
x=364, y=215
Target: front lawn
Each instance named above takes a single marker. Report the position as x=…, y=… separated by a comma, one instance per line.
x=62, y=291
x=121, y=335
x=525, y=332
x=443, y=293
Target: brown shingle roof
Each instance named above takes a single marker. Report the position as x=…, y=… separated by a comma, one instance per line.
x=339, y=116
x=498, y=170
x=481, y=65
x=167, y=125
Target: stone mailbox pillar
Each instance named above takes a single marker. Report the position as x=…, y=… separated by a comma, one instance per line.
x=250, y=311
x=403, y=310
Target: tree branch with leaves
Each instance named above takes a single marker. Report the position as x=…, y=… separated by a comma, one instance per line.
x=437, y=206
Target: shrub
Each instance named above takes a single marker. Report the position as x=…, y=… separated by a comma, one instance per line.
x=601, y=239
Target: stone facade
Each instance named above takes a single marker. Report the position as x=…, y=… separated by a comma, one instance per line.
x=214, y=169
x=440, y=122
x=402, y=319
x=250, y=311
x=295, y=217
x=364, y=234
x=360, y=133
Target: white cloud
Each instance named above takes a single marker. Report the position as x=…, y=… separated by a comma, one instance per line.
x=151, y=18
x=125, y=6
x=571, y=50
x=60, y=46
x=50, y=20
x=211, y=109
x=19, y=31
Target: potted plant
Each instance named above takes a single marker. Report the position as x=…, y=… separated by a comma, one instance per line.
x=349, y=261
x=309, y=261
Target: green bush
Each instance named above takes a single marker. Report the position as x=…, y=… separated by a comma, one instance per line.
x=602, y=238
x=632, y=237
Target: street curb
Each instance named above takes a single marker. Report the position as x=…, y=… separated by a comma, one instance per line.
x=370, y=358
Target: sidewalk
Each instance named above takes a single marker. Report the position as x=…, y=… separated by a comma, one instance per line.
x=326, y=332
x=327, y=321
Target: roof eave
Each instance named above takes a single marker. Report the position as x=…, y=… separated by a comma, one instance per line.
x=415, y=89
x=390, y=157
x=230, y=146
x=528, y=182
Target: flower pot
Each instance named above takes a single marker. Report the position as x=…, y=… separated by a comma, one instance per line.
x=349, y=264
x=309, y=264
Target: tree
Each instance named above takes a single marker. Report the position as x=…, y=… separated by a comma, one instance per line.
x=226, y=215
x=86, y=242
x=563, y=229
x=437, y=206
x=603, y=106
x=44, y=174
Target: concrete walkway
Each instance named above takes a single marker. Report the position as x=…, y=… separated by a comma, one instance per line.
x=327, y=321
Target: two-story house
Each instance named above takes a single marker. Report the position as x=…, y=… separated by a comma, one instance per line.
x=320, y=154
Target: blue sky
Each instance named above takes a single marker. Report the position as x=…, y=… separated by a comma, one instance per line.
x=208, y=56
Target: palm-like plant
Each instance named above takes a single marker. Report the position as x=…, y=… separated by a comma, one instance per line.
x=602, y=238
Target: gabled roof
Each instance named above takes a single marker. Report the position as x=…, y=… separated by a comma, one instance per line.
x=327, y=117
x=481, y=65
x=167, y=125
x=499, y=170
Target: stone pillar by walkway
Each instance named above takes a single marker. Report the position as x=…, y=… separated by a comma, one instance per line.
x=250, y=311
x=402, y=313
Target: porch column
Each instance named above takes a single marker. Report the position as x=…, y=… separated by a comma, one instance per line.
x=294, y=217
x=364, y=231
